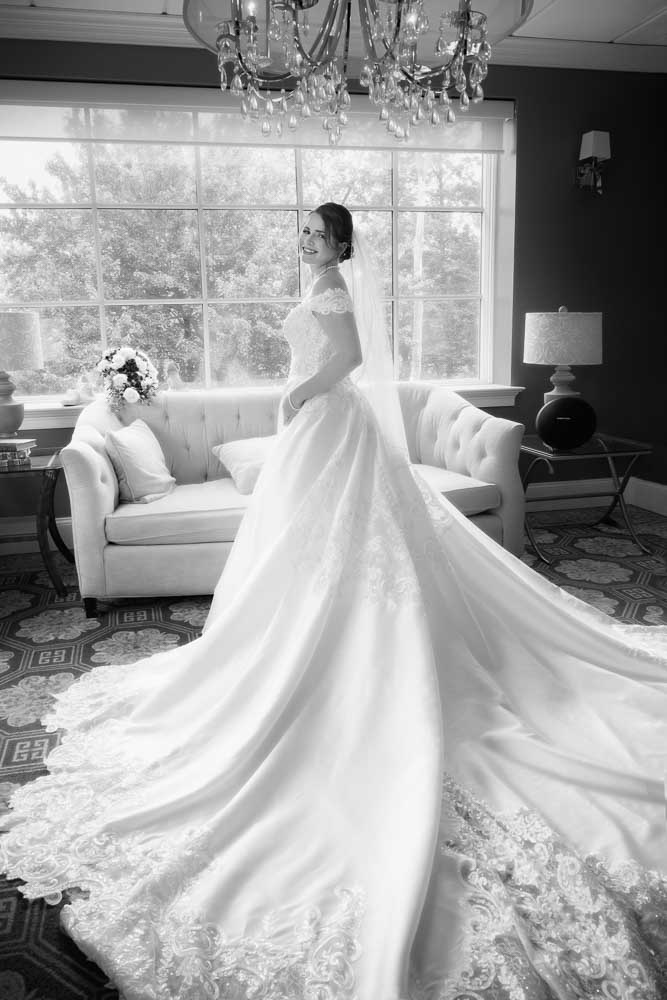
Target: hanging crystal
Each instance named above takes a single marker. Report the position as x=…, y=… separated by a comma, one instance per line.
x=264, y=47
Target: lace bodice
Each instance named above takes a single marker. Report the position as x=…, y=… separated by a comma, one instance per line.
x=309, y=344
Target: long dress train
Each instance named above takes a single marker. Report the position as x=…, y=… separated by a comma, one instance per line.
x=396, y=764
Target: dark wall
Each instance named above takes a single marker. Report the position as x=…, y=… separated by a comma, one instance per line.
x=590, y=252
x=574, y=248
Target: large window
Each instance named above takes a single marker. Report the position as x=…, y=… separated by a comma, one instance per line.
x=159, y=219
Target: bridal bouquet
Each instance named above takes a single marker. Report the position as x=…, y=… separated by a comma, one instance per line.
x=129, y=376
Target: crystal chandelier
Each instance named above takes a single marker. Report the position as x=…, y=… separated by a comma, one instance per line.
x=281, y=78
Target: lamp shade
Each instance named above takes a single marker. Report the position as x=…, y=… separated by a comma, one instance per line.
x=20, y=341
x=563, y=338
x=595, y=145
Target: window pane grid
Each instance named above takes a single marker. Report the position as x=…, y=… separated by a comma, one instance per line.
x=204, y=244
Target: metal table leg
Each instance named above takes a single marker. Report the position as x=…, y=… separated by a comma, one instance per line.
x=45, y=523
x=618, y=500
x=529, y=531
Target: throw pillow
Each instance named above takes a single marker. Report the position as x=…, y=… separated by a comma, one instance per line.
x=139, y=464
x=244, y=459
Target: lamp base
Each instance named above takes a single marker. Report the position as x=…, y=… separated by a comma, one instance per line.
x=11, y=413
x=11, y=418
x=561, y=381
x=560, y=394
x=566, y=422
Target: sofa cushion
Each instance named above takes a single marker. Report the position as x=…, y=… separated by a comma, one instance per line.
x=194, y=512
x=138, y=461
x=470, y=496
x=243, y=459
x=490, y=524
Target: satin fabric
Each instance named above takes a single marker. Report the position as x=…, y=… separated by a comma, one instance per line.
x=389, y=727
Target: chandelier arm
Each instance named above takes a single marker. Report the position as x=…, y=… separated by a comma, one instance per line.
x=396, y=78
x=366, y=33
x=257, y=75
x=432, y=74
x=346, y=42
x=328, y=37
x=260, y=76
x=419, y=79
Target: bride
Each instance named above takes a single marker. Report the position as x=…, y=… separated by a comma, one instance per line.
x=396, y=764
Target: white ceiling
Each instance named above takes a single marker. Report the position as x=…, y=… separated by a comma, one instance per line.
x=596, y=34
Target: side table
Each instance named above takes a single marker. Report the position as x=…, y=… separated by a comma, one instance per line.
x=47, y=468
x=620, y=455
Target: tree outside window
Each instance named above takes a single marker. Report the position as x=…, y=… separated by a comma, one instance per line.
x=188, y=249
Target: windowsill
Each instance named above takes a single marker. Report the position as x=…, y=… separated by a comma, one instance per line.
x=45, y=413
x=488, y=395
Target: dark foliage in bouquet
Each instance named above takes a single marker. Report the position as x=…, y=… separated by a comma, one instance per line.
x=128, y=375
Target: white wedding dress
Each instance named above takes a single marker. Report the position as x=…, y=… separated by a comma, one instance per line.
x=396, y=764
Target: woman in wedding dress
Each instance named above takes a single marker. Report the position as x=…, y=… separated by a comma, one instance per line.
x=396, y=764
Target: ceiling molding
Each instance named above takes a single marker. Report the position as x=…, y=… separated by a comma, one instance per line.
x=562, y=54
x=116, y=27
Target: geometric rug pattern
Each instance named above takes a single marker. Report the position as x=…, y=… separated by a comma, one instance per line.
x=602, y=565
x=46, y=642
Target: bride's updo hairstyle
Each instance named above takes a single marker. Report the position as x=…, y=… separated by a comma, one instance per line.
x=338, y=227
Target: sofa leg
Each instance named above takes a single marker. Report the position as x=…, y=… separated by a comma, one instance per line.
x=90, y=607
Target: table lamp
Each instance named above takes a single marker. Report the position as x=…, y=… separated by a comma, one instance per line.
x=20, y=350
x=563, y=339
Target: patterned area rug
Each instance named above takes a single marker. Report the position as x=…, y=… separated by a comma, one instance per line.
x=46, y=642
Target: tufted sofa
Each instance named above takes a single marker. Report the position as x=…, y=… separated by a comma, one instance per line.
x=178, y=545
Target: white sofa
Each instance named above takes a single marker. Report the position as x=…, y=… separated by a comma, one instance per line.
x=178, y=545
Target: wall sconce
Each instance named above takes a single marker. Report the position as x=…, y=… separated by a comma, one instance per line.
x=594, y=150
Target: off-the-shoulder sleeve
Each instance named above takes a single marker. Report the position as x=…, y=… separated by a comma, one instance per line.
x=332, y=300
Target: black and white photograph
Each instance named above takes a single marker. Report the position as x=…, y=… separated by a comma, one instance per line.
x=333, y=500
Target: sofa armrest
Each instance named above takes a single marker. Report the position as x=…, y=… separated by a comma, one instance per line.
x=93, y=493
x=457, y=435
x=493, y=456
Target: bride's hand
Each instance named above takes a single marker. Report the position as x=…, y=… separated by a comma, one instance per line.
x=289, y=409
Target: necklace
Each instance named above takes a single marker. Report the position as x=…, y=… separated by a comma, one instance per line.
x=333, y=265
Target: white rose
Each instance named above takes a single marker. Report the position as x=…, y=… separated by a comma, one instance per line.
x=119, y=381
x=131, y=395
x=101, y=366
x=141, y=364
x=126, y=353
x=118, y=361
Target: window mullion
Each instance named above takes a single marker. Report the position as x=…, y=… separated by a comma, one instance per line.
x=394, y=262
x=202, y=261
x=96, y=237
x=300, y=207
x=487, y=275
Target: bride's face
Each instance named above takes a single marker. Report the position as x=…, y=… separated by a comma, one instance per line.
x=313, y=245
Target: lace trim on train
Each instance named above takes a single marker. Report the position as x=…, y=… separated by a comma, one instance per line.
x=158, y=952
x=130, y=894
x=543, y=923
x=645, y=641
